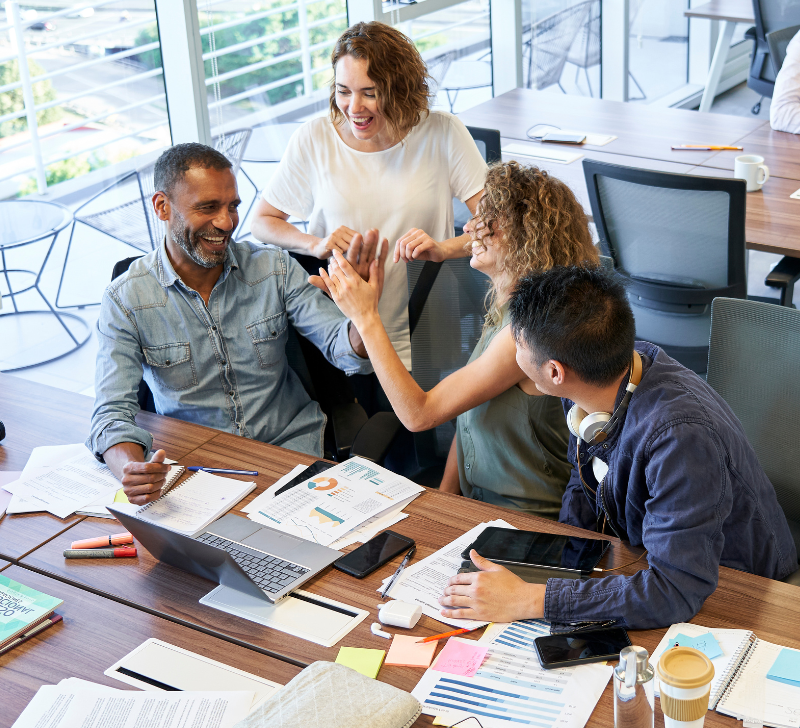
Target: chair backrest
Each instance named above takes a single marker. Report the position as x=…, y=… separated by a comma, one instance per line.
x=232, y=144
x=678, y=241
x=156, y=228
x=754, y=364
x=488, y=143
x=778, y=40
x=585, y=50
x=551, y=39
x=770, y=15
x=439, y=66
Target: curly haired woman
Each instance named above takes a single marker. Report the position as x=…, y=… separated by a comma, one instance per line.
x=381, y=159
x=510, y=447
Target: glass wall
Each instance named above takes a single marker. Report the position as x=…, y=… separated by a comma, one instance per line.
x=91, y=94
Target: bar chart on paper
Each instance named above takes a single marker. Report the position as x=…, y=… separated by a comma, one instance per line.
x=517, y=635
x=511, y=688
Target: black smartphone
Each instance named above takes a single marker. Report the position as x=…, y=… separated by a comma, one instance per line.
x=578, y=648
x=314, y=469
x=373, y=554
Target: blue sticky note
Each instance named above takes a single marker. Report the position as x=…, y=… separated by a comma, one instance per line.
x=706, y=643
x=786, y=668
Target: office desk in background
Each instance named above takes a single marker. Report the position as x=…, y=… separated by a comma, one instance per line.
x=728, y=13
x=94, y=634
x=147, y=587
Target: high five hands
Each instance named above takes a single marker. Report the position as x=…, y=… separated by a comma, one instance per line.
x=356, y=297
x=418, y=245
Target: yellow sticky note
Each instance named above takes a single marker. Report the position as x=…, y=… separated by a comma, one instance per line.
x=367, y=662
x=408, y=652
x=120, y=497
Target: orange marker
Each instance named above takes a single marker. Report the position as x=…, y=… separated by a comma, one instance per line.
x=435, y=637
x=103, y=541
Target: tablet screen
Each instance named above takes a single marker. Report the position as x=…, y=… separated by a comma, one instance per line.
x=539, y=549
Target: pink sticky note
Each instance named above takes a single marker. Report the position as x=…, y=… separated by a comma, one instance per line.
x=461, y=657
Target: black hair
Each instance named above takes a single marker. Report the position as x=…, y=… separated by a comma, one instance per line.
x=175, y=162
x=578, y=316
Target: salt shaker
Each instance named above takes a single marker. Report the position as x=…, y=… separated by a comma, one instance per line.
x=634, y=702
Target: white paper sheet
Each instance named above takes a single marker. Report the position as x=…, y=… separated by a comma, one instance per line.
x=372, y=526
x=261, y=499
x=185, y=670
x=337, y=501
x=517, y=635
x=542, y=151
x=41, y=460
x=56, y=707
x=64, y=489
x=511, y=683
x=424, y=581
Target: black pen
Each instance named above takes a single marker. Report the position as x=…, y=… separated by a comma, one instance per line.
x=397, y=573
x=222, y=470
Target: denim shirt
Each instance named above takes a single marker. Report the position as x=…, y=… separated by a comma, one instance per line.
x=684, y=482
x=222, y=365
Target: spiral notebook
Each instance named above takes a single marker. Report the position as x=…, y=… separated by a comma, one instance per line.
x=740, y=687
x=195, y=503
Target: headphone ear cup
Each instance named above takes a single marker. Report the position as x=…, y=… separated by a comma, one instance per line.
x=574, y=418
x=592, y=424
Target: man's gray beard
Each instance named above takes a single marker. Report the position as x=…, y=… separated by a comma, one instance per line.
x=194, y=252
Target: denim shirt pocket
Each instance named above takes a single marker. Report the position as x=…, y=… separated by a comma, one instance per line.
x=269, y=338
x=171, y=365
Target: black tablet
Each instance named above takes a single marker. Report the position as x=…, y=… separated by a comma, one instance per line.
x=540, y=550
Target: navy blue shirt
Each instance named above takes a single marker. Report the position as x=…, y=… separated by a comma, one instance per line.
x=684, y=482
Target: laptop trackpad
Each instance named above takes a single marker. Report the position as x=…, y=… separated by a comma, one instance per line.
x=279, y=544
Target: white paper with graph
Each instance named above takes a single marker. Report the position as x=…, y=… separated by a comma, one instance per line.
x=511, y=688
x=516, y=635
x=336, y=501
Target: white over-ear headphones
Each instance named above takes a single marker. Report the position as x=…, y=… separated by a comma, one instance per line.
x=594, y=428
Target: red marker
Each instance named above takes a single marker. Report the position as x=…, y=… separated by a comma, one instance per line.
x=119, y=553
x=98, y=542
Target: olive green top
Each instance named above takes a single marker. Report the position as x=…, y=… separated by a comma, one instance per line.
x=512, y=450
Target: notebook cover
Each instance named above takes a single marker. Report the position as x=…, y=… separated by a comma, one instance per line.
x=21, y=607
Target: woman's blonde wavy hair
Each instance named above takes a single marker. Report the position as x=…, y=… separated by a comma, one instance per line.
x=401, y=79
x=537, y=223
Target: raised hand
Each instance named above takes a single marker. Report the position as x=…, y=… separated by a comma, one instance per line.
x=362, y=252
x=340, y=239
x=418, y=245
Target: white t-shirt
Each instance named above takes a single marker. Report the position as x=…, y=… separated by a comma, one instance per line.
x=784, y=109
x=410, y=185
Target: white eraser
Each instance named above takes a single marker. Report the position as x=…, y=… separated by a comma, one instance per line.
x=400, y=614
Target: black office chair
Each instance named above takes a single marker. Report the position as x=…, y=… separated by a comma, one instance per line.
x=349, y=431
x=678, y=242
x=488, y=143
x=769, y=16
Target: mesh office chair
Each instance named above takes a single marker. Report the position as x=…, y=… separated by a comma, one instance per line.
x=769, y=16
x=131, y=218
x=678, y=241
x=488, y=143
x=754, y=364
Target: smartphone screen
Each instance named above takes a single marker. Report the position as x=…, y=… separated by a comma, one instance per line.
x=373, y=554
x=562, y=650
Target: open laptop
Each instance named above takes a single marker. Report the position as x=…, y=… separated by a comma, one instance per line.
x=235, y=552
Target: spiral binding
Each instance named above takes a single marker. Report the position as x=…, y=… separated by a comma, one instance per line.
x=741, y=658
x=167, y=488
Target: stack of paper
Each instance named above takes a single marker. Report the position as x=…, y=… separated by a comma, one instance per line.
x=424, y=581
x=349, y=502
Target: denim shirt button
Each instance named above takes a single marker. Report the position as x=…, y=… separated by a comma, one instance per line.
x=213, y=328
x=231, y=393
x=467, y=466
x=167, y=362
x=224, y=363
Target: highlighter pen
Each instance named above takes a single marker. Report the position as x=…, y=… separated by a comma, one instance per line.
x=706, y=148
x=118, y=553
x=98, y=542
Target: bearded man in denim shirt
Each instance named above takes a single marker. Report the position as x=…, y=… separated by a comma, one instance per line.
x=672, y=470
x=203, y=320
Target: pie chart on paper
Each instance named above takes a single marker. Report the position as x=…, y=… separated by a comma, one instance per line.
x=323, y=483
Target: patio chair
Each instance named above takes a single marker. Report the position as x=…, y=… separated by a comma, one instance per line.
x=549, y=44
x=134, y=221
x=452, y=75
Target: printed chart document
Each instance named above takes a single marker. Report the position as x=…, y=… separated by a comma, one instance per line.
x=511, y=688
x=424, y=581
x=336, y=501
x=62, y=490
x=56, y=706
x=516, y=635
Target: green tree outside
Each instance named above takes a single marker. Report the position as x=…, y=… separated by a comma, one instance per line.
x=12, y=101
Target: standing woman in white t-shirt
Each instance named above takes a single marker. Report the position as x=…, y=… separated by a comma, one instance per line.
x=381, y=160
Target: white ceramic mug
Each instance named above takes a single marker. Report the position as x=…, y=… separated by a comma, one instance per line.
x=749, y=167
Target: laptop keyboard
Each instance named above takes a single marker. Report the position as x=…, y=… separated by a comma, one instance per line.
x=269, y=572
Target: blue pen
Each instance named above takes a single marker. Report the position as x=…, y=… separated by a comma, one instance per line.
x=223, y=470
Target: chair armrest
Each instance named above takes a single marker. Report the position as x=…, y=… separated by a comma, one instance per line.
x=347, y=420
x=750, y=34
x=376, y=436
x=784, y=276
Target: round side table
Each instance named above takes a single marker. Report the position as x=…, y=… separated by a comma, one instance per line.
x=32, y=336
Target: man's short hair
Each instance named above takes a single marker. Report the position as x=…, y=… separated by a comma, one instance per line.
x=578, y=316
x=175, y=162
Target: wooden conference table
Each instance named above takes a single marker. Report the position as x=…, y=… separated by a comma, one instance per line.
x=645, y=135
x=769, y=608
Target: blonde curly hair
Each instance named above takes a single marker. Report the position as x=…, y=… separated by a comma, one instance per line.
x=537, y=223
